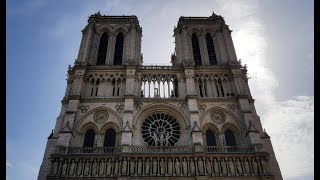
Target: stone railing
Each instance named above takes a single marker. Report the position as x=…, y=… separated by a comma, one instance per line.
x=91, y=163
x=159, y=149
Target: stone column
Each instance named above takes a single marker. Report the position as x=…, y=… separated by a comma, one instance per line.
x=111, y=49
x=85, y=43
x=203, y=50
x=229, y=44
x=222, y=49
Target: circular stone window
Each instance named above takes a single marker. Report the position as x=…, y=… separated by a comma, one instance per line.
x=160, y=129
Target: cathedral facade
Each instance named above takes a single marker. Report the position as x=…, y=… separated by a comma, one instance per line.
x=194, y=119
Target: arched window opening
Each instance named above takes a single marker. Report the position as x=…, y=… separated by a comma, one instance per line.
x=95, y=88
x=203, y=88
x=211, y=52
x=89, y=138
x=219, y=88
x=196, y=50
x=176, y=90
x=118, y=49
x=110, y=138
x=211, y=138
x=116, y=87
x=102, y=52
x=230, y=138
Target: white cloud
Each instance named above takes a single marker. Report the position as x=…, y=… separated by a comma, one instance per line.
x=290, y=124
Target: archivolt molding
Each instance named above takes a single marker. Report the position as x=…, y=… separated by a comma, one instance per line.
x=89, y=125
x=122, y=29
x=105, y=76
x=220, y=109
x=211, y=126
x=79, y=126
x=101, y=29
x=109, y=125
x=161, y=108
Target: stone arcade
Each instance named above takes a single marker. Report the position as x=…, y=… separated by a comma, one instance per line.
x=193, y=120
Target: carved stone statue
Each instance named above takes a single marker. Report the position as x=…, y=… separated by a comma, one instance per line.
x=170, y=166
x=101, y=167
x=246, y=166
x=177, y=167
x=132, y=166
x=116, y=167
x=264, y=167
x=239, y=167
x=54, y=167
x=72, y=167
x=154, y=166
x=79, y=168
x=208, y=166
x=139, y=167
x=224, y=167
x=185, y=167
x=109, y=167
x=254, y=166
x=161, y=139
x=147, y=166
x=200, y=166
x=216, y=167
x=94, y=167
x=64, y=168
x=86, y=168
x=124, y=167
x=231, y=166
x=155, y=138
x=192, y=167
x=162, y=167
x=167, y=138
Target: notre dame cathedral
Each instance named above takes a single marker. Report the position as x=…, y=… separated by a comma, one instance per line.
x=195, y=119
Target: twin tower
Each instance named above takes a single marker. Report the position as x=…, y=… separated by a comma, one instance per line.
x=194, y=119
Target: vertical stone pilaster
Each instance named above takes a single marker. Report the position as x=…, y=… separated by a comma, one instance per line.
x=222, y=49
x=203, y=50
x=111, y=49
x=85, y=43
x=229, y=44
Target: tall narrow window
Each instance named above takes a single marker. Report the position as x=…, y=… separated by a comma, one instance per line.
x=230, y=138
x=110, y=138
x=211, y=52
x=196, y=50
x=210, y=137
x=176, y=90
x=89, y=138
x=102, y=53
x=118, y=50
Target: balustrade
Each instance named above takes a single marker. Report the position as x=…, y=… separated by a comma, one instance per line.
x=146, y=161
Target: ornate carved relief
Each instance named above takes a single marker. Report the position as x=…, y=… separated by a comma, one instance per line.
x=232, y=107
x=119, y=108
x=218, y=117
x=84, y=108
x=101, y=116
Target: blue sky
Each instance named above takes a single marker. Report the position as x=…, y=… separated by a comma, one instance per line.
x=275, y=38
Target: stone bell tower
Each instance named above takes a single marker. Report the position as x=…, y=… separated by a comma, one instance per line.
x=193, y=120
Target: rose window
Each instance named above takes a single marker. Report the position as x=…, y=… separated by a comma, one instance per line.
x=160, y=129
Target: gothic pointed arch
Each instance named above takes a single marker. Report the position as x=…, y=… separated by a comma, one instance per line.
x=107, y=115
x=211, y=51
x=230, y=138
x=89, y=138
x=118, y=53
x=103, y=47
x=196, y=49
x=110, y=138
